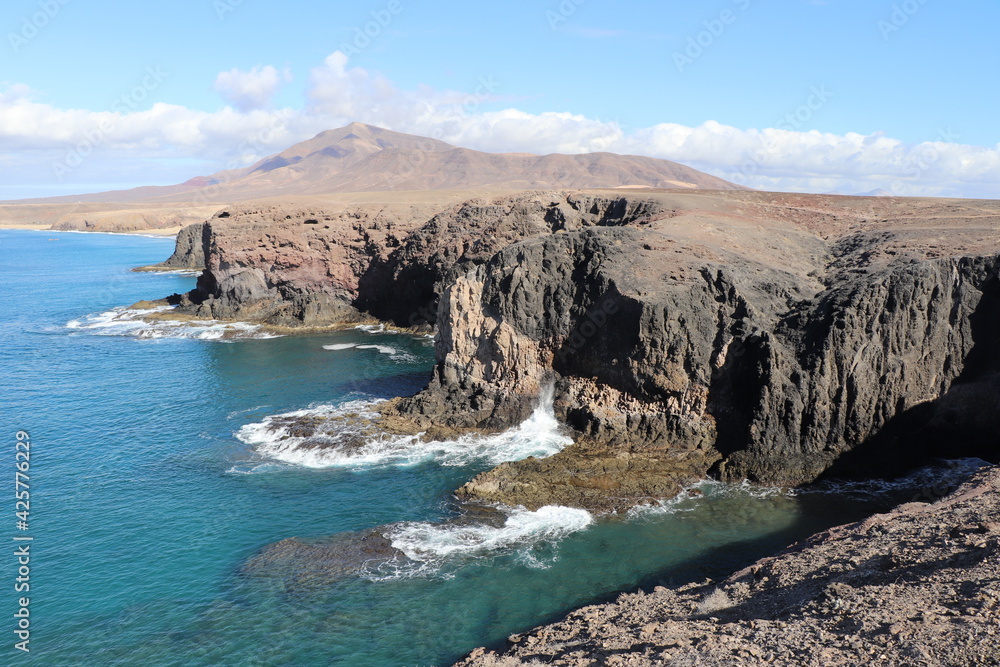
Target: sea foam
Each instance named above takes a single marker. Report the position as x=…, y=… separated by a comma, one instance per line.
x=343, y=437
x=436, y=549
x=422, y=541
x=393, y=353
x=130, y=322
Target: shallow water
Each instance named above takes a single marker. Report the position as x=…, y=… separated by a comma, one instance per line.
x=155, y=477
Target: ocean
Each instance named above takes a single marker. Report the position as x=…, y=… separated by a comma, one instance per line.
x=162, y=468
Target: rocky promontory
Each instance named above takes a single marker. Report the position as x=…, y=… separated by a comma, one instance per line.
x=288, y=265
x=766, y=336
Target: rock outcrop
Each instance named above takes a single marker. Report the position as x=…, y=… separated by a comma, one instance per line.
x=750, y=335
x=672, y=354
x=917, y=586
x=311, y=266
x=298, y=564
x=190, y=250
x=291, y=266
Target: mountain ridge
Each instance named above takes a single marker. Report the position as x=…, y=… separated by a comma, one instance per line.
x=366, y=158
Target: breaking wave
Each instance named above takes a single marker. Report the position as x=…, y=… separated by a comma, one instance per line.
x=131, y=322
x=343, y=436
x=394, y=353
x=433, y=549
x=191, y=273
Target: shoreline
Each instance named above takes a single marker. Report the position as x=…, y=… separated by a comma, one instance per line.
x=165, y=232
x=913, y=585
x=267, y=328
x=706, y=313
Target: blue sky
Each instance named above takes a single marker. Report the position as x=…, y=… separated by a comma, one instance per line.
x=805, y=95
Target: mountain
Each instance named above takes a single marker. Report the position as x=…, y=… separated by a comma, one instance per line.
x=364, y=158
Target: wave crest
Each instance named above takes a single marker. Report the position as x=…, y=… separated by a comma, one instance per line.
x=532, y=537
x=345, y=436
x=131, y=322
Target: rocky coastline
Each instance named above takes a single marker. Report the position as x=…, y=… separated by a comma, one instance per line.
x=771, y=337
x=919, y=585
x=737, y=335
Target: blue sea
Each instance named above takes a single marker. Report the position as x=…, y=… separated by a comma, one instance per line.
x=160, y=467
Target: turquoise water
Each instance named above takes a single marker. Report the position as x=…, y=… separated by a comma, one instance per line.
x=152, y=484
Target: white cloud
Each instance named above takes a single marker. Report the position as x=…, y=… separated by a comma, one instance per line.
x=249, y=90
x=117, y=145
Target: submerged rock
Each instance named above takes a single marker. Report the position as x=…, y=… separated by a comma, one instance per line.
x=301, y=564
x=595, y=479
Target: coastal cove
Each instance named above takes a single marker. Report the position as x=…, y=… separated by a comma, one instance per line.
x=155, y=500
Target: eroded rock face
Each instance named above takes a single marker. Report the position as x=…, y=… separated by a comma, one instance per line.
x=289, y=266
x=407, y=287
x=189, y=250
x=296, y=266
x=662, y=345
x=754, y=335
x=859, y=359
x=736, y=365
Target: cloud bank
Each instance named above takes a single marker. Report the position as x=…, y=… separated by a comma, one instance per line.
x=76, y=150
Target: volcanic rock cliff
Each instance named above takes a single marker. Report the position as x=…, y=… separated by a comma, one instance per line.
x=287, y=265
x=754, y=335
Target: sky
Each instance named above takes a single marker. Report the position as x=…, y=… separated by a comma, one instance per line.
x=792, y=95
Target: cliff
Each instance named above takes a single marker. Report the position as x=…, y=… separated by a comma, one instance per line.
x=189, y=250
x=288, y=265
x=748, y=335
